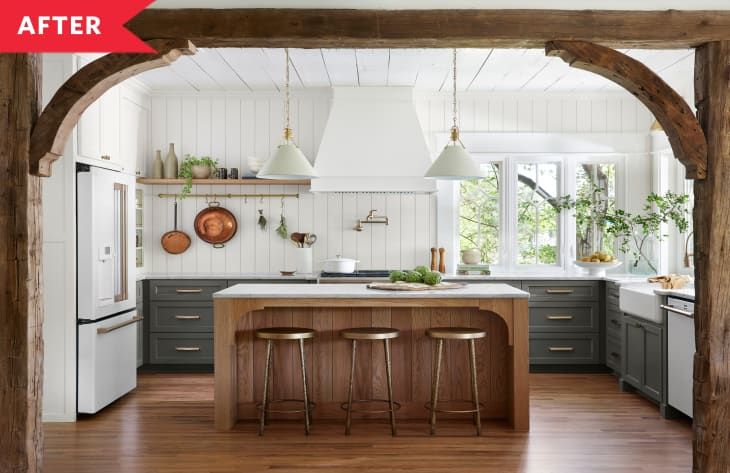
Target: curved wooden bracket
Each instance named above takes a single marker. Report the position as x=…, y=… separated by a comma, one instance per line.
x=670, y=109
x=58, y=119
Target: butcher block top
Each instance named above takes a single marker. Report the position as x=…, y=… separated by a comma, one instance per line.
x=361, y=291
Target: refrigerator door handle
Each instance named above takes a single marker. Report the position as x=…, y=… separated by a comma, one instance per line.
x=121, y=292
x=131, y=321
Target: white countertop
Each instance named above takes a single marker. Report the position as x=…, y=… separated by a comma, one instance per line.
x=685, y=292
x=361, y=291
x=618, y=278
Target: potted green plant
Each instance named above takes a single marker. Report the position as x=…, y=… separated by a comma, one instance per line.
x=194, y=167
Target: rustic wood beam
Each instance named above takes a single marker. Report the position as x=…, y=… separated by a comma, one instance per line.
x=712, y=250
x=88, y=84
x=21, y=304
x=317, y=28
x=670, y=109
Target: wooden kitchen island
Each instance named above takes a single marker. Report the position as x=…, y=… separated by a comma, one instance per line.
x=502, y=357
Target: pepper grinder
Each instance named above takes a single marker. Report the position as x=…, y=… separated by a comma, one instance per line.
x=442, y=260
x=434, y=260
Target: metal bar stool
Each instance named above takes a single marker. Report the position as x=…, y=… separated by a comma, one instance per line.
x=271, y=335
x=455, y=333
x=371, y=333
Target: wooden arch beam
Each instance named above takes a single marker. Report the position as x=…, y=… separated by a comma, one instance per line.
x=670, y=109
x=62, y=113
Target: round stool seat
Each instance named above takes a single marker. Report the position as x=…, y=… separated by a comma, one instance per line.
x=456, y=333
x=370, y=333
x=285, y=333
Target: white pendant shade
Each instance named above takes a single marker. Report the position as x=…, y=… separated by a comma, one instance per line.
x=454, y=163
x=287, y=162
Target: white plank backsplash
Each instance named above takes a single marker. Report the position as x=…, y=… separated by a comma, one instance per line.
x=231, y=127
x=405, y=242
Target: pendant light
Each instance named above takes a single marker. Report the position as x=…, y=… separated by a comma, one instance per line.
x=454, y=163
x=288, y=161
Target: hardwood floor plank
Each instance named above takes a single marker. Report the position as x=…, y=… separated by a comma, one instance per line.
x=580, y=423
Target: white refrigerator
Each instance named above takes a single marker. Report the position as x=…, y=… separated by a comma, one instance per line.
x=107, y=330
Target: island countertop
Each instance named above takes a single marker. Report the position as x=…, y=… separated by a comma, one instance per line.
x=361, y=291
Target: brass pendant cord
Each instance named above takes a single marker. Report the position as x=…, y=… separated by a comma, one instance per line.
x=287, y=122
x=454, y=90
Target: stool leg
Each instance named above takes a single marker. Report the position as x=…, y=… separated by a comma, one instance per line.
x=264, y=401
x=304, y=385
x=391, y=411
x=474, y=392
x=348, y=419
x=435, y=385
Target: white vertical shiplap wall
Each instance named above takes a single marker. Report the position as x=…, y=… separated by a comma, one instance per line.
x=231, y=127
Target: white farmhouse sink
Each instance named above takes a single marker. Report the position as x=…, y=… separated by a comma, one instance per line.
x=639, y=300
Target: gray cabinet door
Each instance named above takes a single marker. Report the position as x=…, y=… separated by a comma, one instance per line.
x=652, y=384
x=140, y=335
x=633, y=359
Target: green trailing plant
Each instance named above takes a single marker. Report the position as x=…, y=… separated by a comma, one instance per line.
x=632, y=231
x=186, y=170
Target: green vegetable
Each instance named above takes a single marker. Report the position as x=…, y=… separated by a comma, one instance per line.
x=432, y=278
x=396, y=276
x=414, y=276
x=422, y=269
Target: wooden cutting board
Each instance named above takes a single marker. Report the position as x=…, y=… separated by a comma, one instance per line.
x=413, y=286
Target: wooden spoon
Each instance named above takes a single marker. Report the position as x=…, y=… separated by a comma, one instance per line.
x=298, y=239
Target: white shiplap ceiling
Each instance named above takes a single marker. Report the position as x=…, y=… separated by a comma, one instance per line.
x=510, y=70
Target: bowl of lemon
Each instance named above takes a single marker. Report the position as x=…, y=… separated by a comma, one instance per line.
x=598, y=263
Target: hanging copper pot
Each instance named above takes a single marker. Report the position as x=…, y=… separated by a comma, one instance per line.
x=215, y=224
x=175, y=241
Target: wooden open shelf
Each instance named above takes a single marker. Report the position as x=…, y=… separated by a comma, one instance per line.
x=227, y=182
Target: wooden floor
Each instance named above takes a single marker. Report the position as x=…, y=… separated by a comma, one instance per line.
x=580, y=423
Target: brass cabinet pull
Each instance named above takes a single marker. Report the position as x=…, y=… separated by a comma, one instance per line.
x=187, y=348
x=562, y=349
x=616, y=322
x=615, y=355
x=187, y=317
x=103, y=330
x=188, y=291
x=559, y=291
x=559, y=317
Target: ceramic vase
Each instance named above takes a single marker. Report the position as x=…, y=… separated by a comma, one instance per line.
x=158, y=167
x=171, y=163
x=200, y=172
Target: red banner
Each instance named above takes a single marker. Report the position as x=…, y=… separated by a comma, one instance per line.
x=55, y=26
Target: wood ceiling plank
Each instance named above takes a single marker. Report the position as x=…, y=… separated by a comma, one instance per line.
x=310, y=67
x=404, y=67
x=195, y=75
x=434, y=68
x=372, y=66
x=164, y=79
x=213, y=64
x=341, y=66
x=318, y=28
x=245, y=63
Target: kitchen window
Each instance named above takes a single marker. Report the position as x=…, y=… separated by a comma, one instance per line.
x=512, y=215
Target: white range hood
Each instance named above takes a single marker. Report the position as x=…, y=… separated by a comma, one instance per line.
x=373, y=142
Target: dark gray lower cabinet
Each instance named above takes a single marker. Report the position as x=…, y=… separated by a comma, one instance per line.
x=643, y=356
x=565, y=322
x=140, y=324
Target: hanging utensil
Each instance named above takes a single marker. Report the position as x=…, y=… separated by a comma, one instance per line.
x=215, y=224
x=310, y=239
x=298, y=239
x=175, y=241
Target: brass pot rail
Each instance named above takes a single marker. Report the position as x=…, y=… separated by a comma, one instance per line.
x=231, y=196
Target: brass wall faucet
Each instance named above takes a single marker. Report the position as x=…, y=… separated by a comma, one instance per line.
x=371, y=218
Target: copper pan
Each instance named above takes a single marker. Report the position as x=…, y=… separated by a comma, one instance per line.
x=175, y=241
x=215, y=224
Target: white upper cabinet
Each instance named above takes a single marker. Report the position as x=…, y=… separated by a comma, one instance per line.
x=113, y=131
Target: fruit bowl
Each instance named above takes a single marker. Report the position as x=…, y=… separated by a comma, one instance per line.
x=597, y=269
